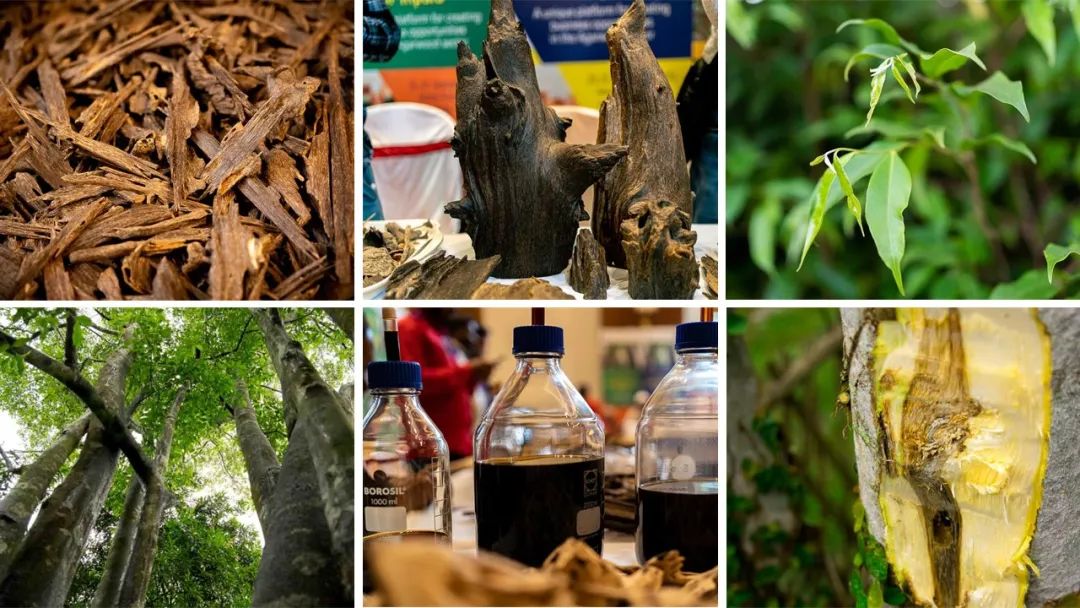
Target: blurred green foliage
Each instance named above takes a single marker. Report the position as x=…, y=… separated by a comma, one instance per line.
x=796, y=534
x=983, y=220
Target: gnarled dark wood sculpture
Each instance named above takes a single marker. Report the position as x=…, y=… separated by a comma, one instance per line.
x=643, y=206
x=523, y=183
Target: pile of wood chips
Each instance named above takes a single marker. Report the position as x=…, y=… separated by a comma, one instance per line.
x=175, y=150
x=427, y=574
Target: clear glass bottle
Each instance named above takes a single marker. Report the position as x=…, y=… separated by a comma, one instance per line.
x=406, y=461
x=539, y=458
x=678, y=455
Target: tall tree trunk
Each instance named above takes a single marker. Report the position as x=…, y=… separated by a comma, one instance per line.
x=298, y=566
x=108, y=589
x=343, y=318
x=137, y=580
x=44, y=567
x=259, y=456
x=329, y=431
x=19, y=504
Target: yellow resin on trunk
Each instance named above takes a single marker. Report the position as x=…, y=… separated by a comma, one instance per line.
x=995, y=474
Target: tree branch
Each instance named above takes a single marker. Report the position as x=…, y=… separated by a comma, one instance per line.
x=819, y=350
x=116, y=431
x=71, y=358
x=239, y=342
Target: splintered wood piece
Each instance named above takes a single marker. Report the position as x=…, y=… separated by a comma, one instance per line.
x=441, y=277
x=712, y=281
x=176, y=150
x=523, y=183
x=587, y=273
x=183, y=116
x=640, y=113
x=287, y=100
x=525, y=289
x=659, y=248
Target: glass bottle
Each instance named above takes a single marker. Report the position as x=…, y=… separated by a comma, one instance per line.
x=678, y=455
x=539, y=458
x=406, y=461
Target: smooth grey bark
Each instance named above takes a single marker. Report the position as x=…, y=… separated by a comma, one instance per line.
x=259, y=456
x=44, y=567
x=298, y=566
x=344, y=319
x=123, y=541
x=328, y=429
x=347, y=393
x=137, y=579
x=19, y=504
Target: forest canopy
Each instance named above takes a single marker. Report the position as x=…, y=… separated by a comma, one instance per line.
x=193, y=364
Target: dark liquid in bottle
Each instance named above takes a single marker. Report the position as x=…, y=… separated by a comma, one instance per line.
x=680, y=515
x=397, y=536
x=526, y=509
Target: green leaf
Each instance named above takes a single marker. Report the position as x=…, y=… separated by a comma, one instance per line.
x=762, y=235
x=900, y=80
x=740, y=24
x=1074, y=12
x=1039, y=17
x=877, y=83
x=1006, y=142
x=886, y=30
x=1030, y=286
x=946, y=60
x=817, y=213
x=998, y=86
x=887, y=197
x=910, y=69
x=1056, y=254
x=874, y=598
x=875, y=51
x=853, y=201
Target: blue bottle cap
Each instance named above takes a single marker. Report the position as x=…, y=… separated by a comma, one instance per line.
x=394, y=374
x=698, y=335
x=538, y=339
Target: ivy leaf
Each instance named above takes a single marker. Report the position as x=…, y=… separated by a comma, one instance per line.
x=1056, y=254
x=899, y=78
x=853, y=201
x=946, y=60
x=876, y=51
x=998, y=86
x=877, y=83
x=762, y=235
x=817, y=213
x=1005, y=142
x=887, y=197
x=1039, y=17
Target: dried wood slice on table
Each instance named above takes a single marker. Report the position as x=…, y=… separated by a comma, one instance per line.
x=587, y=273
x=176, y=150
x=643, y=206
x=441, y=277
x=523, y=183
x=525, y=289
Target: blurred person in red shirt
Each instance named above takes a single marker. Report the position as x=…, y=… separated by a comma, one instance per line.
x=424, y=336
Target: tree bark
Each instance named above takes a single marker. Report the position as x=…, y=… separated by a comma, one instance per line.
x=523, y=183
x=137, y=579
x=1000, y=347
x=344, y=319
x=298, y=566
x=19, y=504
x=329, y=433
x=259, y=456
x=116, y=565
x=44, y=567
x=643, y=206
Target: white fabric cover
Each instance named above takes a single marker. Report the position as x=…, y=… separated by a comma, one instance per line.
x=582, y=131
x=418, y=185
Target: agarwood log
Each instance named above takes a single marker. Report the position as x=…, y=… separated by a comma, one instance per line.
x=984, y=403
x=588, y=267
x=523, y=183
x=441, y=277
x=640, y=114
x=659, y=247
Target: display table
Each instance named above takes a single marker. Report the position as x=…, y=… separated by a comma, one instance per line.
x=460, y=245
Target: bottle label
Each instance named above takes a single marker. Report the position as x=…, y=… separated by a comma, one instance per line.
x=384, y=519
x=683, y=467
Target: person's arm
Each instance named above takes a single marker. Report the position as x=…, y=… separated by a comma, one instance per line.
x=381, y=33
x=437, y=379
